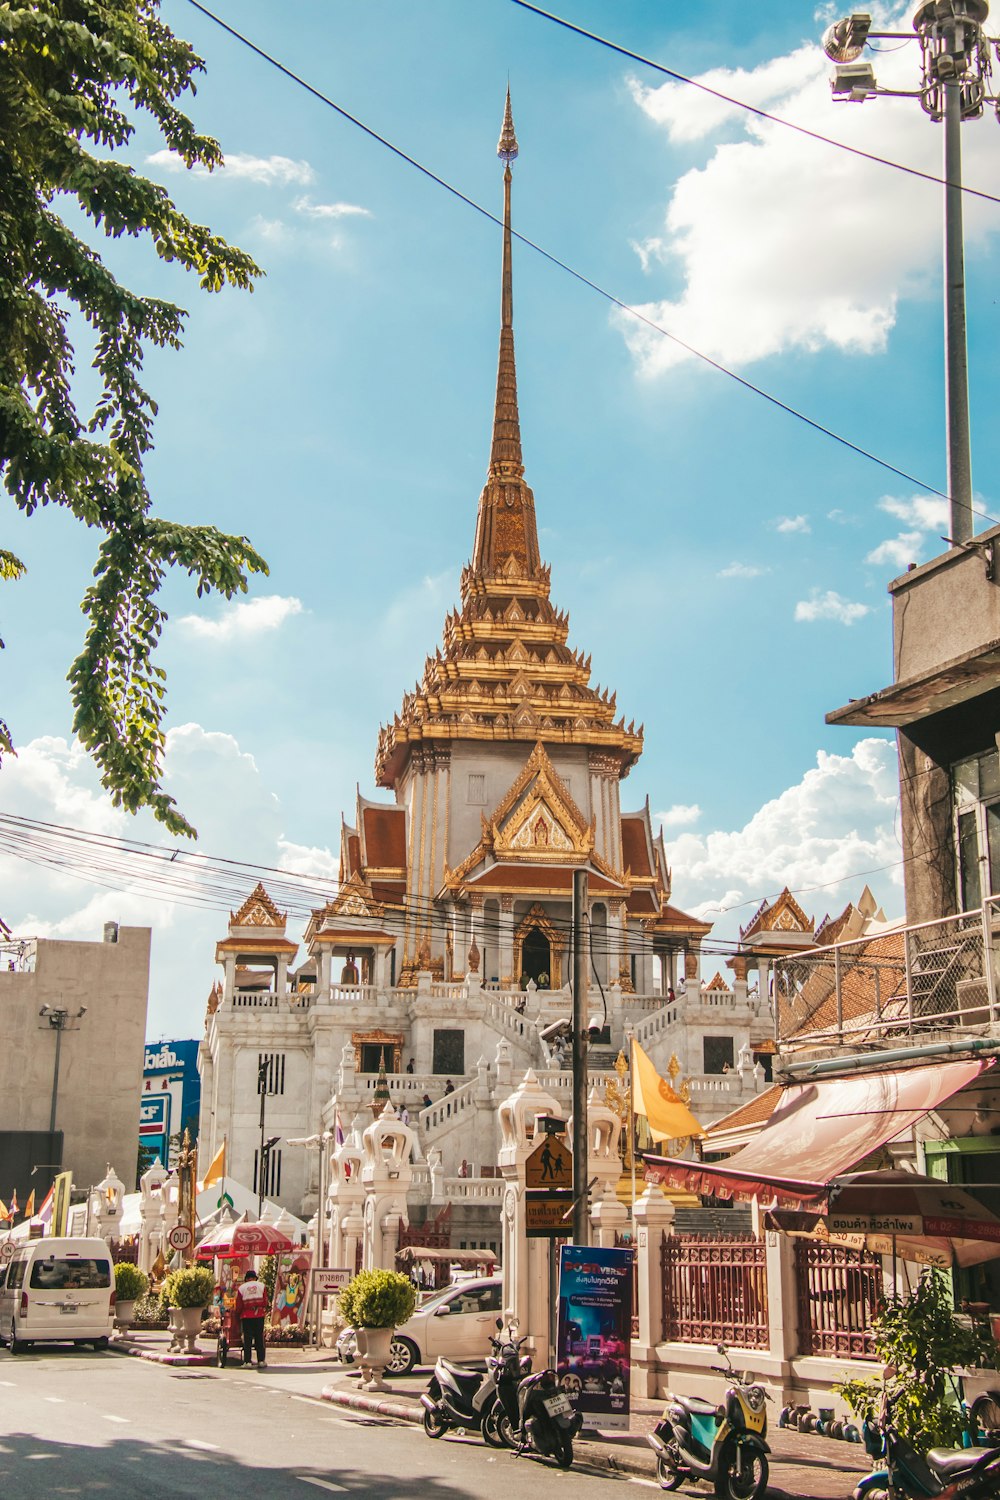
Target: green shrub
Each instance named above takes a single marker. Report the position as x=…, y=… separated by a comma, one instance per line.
x=378, y=1299
x=130, y=1282
x=190, y=1287
x=150, y=1311
x=920, y=1336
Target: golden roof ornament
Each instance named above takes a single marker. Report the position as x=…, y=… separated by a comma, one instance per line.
x=507, y=146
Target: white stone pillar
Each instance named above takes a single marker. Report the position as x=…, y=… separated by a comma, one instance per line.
x=654, y=1216
x=782, y=1306
x=617, y=954
x=525, y=1262
x=508, y=979
x=386, y=1172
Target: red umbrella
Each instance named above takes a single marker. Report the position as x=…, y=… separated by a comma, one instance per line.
x=240, y=1238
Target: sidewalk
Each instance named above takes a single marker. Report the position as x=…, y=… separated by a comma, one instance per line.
x=803, y=1466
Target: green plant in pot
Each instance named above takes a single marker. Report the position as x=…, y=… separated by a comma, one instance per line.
x=374, y=1304
x=130, y=1284
x=188, y=1292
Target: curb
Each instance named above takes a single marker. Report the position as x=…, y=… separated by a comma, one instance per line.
x=155, y=1357
x=592, y=1455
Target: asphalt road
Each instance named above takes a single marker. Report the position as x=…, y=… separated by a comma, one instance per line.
x=77, y=1423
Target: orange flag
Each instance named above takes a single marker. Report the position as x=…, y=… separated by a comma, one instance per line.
x=29, y=1207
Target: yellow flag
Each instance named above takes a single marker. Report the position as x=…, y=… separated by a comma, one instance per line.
x=29, y=1207
x=217, y=1170
x=652, y=1096
x=4, y=1211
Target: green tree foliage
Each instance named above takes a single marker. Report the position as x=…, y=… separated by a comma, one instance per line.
x=75, y=75
x=924, y=1342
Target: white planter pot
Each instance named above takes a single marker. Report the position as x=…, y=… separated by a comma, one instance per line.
x=124, y=1314
x=374, y=1345
x=185, y=1324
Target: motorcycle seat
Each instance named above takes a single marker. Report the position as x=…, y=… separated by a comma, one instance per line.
x=696, y=1405
x=948, y=1461
x=462, y=1373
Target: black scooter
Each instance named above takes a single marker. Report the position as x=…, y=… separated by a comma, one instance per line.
x=462, y=1398
x=899, y=1473
x=504, y=1417
x=549, y=1422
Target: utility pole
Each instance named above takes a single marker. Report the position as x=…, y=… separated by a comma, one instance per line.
x=263, y=1154
x=581, y=1216
x=58, y=1020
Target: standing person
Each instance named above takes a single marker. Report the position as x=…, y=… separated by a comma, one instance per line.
x=251, y=1305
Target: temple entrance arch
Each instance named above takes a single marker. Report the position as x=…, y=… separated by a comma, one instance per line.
x=538, y=948
x=536, y=958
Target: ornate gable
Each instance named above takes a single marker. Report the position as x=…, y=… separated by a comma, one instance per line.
x=354, y=899
x=258, y=910
x=538, y=819
x=783, y=915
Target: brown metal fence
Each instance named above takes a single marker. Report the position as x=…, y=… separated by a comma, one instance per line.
x=715, y=1290
x=840, y=1290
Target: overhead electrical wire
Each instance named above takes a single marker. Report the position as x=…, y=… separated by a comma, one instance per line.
x=562, y=265
x=750, y=109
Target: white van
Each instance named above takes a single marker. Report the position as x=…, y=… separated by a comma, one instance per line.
x=58, y=1291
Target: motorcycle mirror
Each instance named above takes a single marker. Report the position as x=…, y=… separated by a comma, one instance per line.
x=720, y=1348
x=499, y=1322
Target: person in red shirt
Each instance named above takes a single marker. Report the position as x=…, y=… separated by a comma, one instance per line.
x=251, y=1305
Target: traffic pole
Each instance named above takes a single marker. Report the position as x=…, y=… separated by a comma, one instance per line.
x=581, y=1215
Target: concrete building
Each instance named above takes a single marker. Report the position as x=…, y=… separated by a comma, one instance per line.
x=88, y=999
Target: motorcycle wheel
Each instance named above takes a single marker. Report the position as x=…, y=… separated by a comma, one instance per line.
x=668, y=1470
x=491, y=1429
x=435, y=1423
x=750, y=1484
x=564, y=1450
x=507, y=1431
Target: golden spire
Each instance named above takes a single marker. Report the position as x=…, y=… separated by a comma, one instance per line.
x=505, y=456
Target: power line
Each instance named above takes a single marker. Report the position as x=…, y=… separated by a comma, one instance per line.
x=562, y=265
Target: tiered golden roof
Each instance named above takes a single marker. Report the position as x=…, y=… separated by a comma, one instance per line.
x=505, y=671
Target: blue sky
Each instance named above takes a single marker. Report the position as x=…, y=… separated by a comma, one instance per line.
x=725, y=565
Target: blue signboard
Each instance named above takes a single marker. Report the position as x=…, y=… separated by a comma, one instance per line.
x=171, y=1095
x=595, y=1332
x=154, y=1124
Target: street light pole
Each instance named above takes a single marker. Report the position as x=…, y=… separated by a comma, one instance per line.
x=262, y=1154
x=955, y=85
x=581, y=1217
x=58, y=1019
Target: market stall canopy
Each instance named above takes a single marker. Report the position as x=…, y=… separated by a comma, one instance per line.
x=818, y=1132
x=243, y=1238
x=901, y=1213
x=411, y=1253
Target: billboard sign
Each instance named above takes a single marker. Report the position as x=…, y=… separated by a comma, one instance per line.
x=595, y=1333
x=154, y=1124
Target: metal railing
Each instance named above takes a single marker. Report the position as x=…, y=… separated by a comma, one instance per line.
x=715, y=1290
x=939, y=975
x=839, y=1293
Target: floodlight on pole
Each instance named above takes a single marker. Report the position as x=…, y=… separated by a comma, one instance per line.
x=955, y=84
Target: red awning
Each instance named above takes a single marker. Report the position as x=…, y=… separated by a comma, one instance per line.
x=818, y=1131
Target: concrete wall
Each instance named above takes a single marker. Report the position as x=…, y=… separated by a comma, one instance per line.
x=101, y=1056
x=943, y=609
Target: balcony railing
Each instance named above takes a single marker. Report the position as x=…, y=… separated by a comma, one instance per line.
x=896, y=983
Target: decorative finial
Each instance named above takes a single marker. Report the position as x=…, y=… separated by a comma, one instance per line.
x=507, y=147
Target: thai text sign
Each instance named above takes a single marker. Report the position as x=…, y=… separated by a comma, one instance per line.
x=595, y=1333
x=328, y=1280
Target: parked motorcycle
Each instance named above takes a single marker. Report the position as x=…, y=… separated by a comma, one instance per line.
x=899, y=1473
x=548, y=1420
x=460, y=1397
x=511, y=1367
x=724, y=1445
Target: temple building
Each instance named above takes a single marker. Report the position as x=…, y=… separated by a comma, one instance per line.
x=444, y=958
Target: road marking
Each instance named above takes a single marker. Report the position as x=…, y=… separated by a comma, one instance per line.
x=650, y=1484
x=202, y=1447
x=322, y=1484
x=7, y=1382
x=56, y=1400
x=313, y=1400
x=110, y=1417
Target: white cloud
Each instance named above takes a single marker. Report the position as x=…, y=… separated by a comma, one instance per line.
x=252, y=617
x=649, y=251
x=788, y=524
x=330, y=210
x=680, y=815
x=741, y=570
x=829, y=830
x=776, y=242
x=922, y=511
x=830, y=606
x=269, y=171
x=308, y=859
x=898, y=550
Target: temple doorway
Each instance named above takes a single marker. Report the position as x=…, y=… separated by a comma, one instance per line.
x=536, y=959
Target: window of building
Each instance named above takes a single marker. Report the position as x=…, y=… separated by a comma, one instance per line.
x=719, y=1054
x=271, y=1187
x=270, y=1072
x=449, y=1052
x=477, y=790
x=976, y=801
x=373, y=1055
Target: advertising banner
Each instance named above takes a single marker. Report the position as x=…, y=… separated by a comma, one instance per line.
x=291, y=1279
x=61, y=1189
x=154, y=1124
x=595, y=1333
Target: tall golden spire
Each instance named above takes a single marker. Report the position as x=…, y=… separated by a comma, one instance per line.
x=505, y=527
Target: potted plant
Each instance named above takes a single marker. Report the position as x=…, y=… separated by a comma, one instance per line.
x=130, y=1284
x=188, y=1292
x=374, y=1304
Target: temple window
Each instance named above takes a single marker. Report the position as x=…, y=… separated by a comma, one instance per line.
x=477, y=790
x=719, y=1054
x=271, y=1069
x=449, y=1052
